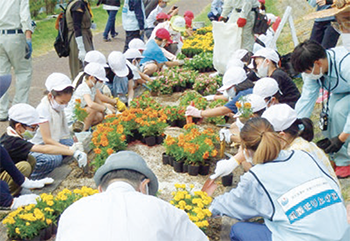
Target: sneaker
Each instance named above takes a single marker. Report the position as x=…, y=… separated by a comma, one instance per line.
x=107, y=40
x=115, y=35
x=342, y=172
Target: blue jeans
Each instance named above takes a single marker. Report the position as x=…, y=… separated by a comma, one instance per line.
x=245, y=231
x=110, y=25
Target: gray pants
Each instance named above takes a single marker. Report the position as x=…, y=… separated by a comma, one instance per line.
x=12, y=52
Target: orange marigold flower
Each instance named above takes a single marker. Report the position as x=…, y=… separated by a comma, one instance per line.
x=208, y=142
x=206, y=155
x=123, y=137
x=187, y=126
x=120, y=129
x=247, y=105
x=238, y=105
x=110, y=151
x=104, y=143
x=97, y=150
x=214, y=153
x=78, y=101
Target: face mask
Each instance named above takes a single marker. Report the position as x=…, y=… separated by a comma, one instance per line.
x=231, y=92
x=346, y=40
x=27, y=135
x=247, y=157
x=57, y=106
x=99, y=85
x=312, y=75
x=225, y=94
x=263, y=70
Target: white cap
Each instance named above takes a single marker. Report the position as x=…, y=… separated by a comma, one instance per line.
x=233, y=76
x=133, y=54
x=266, y=87
x=117, y=62
x=280, y=116
x=257, y=103
x=95, y=56
x=239, y=53
x=137, y=43
x=25, y=114
x=178, y=23
x=234, y=62
x=96, y=70
x=57, y=82
x=267, y=53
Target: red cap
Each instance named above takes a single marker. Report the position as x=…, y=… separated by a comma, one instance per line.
x=262, y=1
x=189, y=14
x=162, y=33
x=188, y=22
x=162, y=15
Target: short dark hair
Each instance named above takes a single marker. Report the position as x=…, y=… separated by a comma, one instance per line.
x=303, y=128
x=13, y=123
x=305, y=54
x=134, y=178
x=68, y=90
x=247, y=57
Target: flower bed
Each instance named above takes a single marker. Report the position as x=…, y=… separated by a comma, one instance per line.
x=203, y=62
x=29, y=221
x=206, y=85
x=217, y=120
x=198, y=100
x=201, y=41
x=194, y=203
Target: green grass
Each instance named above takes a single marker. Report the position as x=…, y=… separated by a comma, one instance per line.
x=203, y=16
x=45, y=32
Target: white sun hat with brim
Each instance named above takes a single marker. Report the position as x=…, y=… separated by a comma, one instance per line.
x=239, y=53
x=5, y=82
x=57, y=82
x=338, y=6
x=127, y=160
x=256, y=102
x=234, y=62
x=233, y=76
x=280, y=116
x=266, y=87
x=137, y=43
x=95, y=56
x=133, y=54
x=178, y=23
x=25, y=114
x=117, y=62
x=267, y=53
x=96, y=70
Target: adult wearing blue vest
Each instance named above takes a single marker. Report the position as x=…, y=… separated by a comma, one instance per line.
x=327, y=69
x=289, y=189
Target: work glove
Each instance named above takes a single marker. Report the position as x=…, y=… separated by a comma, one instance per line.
x=81, y=48
x=225, y=135
x=224, y=167
x=193, y=111
x=32, y=184
x=77, y=146
x=120, y=105
x=180, y=61
x=209, y=97
x=81, y=158
x=334, y=145
x=29, y=48
x=241, y=22
x=24, y=200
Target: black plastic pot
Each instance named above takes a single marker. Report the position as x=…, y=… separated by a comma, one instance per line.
x=171, y=160
x=227, y=180
x=159, y=139
x=150, y=140
x=178, y=165
x=176, y=88
x=203, y=170
x=172, y=123
x=196, y=120
x=189, y=85
x=193, y=170
x=136, y=135
x=180, y=123
x=165, y=158
x=185, y=168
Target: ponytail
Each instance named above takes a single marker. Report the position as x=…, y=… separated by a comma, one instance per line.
x=258, y=135
x=303, y=128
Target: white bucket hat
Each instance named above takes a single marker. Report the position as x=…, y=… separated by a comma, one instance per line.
x=280, y=116
x=233, y=76
x=57, y=82
x=137, y=43
x=267, y=53
x=239, y=53
x=178, y=23
x=234, y=62
x=96, y=70
x=133, y=54
x=266, y=87
x=95, y=56
x=117, y=62
x=25, y=114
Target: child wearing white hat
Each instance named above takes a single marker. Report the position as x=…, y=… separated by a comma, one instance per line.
x=268, y=89
x=24, y=122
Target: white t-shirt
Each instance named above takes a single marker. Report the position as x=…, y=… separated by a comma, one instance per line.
x=83, y=89
x=152, y=17
x=135, y=70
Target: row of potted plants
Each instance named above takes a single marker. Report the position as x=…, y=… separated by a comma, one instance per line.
x=203, y=62
x=39, y=221
x=193, y=148
x=201, y=41
x=206, y=85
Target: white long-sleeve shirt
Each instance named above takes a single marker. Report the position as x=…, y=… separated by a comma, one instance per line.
x=15, y=14
x=152, y=17
x=121, y=213
x=245, y=6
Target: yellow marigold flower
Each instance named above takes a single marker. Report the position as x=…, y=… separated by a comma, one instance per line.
x=177, y=185
x=182, y=203
x=172, y=202
x=50, y=203
x=48, y=221
x=200, y=215
x=27, y=224
x=188, y=207
x=188, y=196
x=17, y=231
x=191, y=186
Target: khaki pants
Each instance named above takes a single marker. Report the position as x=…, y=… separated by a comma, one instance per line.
x=25, y=167
x=12, y=52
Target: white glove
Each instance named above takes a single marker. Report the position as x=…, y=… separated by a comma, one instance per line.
x=225, y=135
x=224, y=167
x=81, y=158
x=31, y=184
x=209, y=97
x=81, y=48
x=180, y=62
x=193, y=111
x=24, y=200
x=77, y=146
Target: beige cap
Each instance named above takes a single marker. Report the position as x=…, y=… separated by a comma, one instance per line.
x=337, y=7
